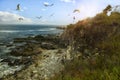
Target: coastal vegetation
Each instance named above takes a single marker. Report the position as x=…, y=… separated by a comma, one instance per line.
x=97, y=40
x=87, y=50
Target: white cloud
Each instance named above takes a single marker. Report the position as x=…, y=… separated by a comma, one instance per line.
x=11, y=18
x=73, y=1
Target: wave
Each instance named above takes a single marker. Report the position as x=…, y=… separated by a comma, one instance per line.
x=9, y=31
x=50, y=29
x=16, y=31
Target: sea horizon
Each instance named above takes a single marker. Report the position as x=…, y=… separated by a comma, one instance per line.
x=57, y=25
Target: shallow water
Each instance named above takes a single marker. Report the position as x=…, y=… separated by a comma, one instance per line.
x=5, y=69
x=9, y=32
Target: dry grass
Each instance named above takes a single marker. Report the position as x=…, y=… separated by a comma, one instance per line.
x=101, y=33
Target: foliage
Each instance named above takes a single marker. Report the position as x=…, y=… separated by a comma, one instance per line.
x=101, y=32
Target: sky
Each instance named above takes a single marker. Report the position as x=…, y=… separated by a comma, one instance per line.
x=60, y=13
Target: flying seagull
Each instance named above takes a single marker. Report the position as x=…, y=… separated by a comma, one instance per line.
x=74, y=18
x=46, y=4
x=52, y=14
x=39, y=17
x=76, y=10
x=20, y=19
x=18, y=7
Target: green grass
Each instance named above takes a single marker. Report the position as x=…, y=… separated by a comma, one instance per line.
x=101, y=32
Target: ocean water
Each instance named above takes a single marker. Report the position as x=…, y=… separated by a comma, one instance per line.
x=9, y=32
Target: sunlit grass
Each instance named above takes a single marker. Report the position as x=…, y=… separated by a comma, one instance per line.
x=101, y=32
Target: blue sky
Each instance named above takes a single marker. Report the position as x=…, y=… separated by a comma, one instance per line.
x=62, y=10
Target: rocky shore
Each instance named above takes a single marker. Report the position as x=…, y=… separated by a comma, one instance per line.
x=41, y=57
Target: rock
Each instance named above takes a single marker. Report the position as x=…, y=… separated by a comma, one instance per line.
x=9, y=45
x=39, y=38
x=21, y=61
x=24, y=60
x=26, y=50
x=61, y=27
x=19, y=40
x=48, y=46
x=9, y=61
x=38, y=64
x=68, y=53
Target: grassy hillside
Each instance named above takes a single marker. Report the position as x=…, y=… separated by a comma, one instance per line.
x=97, y=39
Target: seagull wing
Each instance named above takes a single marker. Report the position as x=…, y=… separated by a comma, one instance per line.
x=20, y=19
x=76, y=10
x=46, y=4
x=39, y=17
x=51, y=4
x=52, y=15
x=74, y=17
x=18, y=7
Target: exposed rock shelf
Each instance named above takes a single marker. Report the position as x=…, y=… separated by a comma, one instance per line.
x=43, y=57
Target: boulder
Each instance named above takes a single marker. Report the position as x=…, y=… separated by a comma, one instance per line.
x=46, y=45
x=21, y=61
x=39, y=38
x=26, y=50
